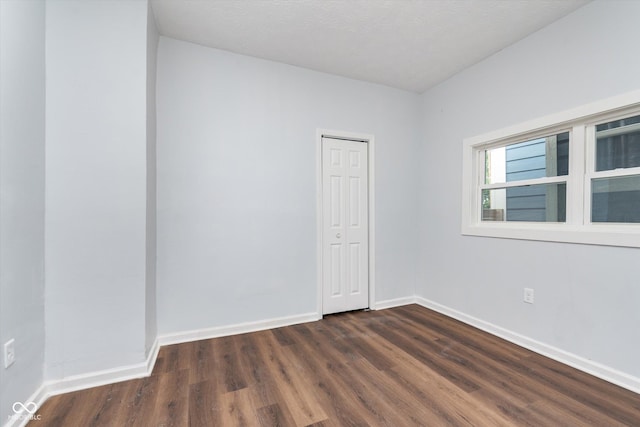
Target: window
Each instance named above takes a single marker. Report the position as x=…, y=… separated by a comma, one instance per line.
x=615, y=180
x=526, y=181
x=570, y=177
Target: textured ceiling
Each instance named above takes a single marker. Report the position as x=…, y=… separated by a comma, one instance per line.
x=407, y=44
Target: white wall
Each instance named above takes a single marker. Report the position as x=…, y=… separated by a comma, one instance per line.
x=150, y=286
x=22, y=134
x=237, y=191
x=96, y=193
x=586, y=296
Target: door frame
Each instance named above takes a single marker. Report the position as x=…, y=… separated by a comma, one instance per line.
x=370, y=141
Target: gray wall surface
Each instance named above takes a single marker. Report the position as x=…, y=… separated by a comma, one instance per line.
x=586, y=296
x=22, y=147
x=237, y=184
x=96, y=191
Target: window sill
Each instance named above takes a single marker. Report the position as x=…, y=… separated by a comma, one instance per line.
x=622, y=235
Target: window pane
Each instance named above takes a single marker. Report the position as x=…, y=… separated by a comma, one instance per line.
x=618, y=144
x=615, y=199
x=536, y=158
x=537, y=203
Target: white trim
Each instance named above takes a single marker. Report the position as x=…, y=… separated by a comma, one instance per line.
x=88, y=380
x=144, y=369
x=525, y=182
x=107, y=376
x=39, y=397
x=240, y=328
x=607, y=234
x=578, y=227
x=576, y=202
x=621, y=130
x=153, y=355
x=319, y=222
x=614, y=173
x=370, y=140
x=396, y=302
x=589, y=366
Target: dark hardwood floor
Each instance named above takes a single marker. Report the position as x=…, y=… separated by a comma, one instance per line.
x=398, y=367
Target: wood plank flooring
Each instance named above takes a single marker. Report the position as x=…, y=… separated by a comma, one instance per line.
x=403, y=366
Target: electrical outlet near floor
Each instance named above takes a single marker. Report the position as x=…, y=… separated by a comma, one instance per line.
x=528, y=295
x=9, y=352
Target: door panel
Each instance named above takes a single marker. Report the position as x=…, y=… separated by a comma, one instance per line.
x=336, y=267
x=354, y=201
x=345, y=246
x=336, y=201
x=354, y=268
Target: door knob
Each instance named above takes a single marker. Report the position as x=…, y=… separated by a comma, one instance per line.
x=338, y=235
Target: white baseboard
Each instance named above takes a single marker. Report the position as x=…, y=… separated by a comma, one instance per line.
x=144, y=369
x=590, y=367
x=396, y=302
x=140, y=370
x=107, y=376
x=84, y=381
x=152, y=355
x=240, y=328
x=22, y=417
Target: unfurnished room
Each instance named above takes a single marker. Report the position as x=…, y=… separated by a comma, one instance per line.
x=319, y=213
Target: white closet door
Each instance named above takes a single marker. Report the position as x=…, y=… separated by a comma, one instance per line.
x=345, y=245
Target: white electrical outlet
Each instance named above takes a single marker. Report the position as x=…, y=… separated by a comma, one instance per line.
x=9, y=352
x=528, y=295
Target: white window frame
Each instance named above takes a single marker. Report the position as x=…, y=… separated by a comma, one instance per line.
x=578, y=228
